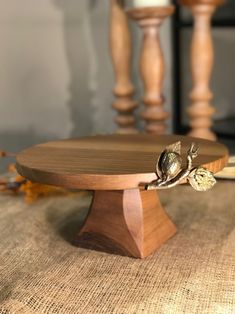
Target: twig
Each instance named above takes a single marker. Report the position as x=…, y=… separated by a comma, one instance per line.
x=6, y=154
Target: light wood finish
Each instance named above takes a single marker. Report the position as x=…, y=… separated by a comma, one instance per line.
x=123, y=218
x=152, y=65
x=126, y=222
x=111, y=162
x=121, y=51
x=202, y=58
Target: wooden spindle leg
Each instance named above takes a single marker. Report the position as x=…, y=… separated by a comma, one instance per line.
x=120, y=45
x=202, y=57
x=152, y=70
x=152, y=65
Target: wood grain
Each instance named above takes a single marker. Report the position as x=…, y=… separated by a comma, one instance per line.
x=152, y=66
x=121, y=52
x=126, y=222
x=113, y=162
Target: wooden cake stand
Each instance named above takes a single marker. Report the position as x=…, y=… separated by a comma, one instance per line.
x=124, y=218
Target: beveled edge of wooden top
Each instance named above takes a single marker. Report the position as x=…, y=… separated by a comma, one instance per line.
x=150, y=12
x=109, y=181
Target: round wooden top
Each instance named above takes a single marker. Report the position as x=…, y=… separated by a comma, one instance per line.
x=111, y=162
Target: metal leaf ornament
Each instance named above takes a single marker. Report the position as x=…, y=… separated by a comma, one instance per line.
x=201, y=179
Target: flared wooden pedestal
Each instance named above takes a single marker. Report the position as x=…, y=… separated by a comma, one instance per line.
x=129, y=222
x=124, y=218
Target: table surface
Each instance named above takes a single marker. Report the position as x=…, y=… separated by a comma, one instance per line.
x=109, y=162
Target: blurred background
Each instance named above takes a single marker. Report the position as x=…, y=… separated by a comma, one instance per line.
x=56, y=77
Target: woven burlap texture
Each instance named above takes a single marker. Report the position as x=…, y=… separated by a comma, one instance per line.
x=194, y=272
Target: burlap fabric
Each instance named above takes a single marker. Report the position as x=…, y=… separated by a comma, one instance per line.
x=194, y=272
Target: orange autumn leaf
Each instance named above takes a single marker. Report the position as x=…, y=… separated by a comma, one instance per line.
x=33, y=191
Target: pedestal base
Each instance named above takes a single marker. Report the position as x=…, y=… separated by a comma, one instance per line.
x=128, y=222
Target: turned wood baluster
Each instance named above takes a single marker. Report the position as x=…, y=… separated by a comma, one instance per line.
x=152, y=70
x=120, y=44
x=152, y=65
x=202, y=58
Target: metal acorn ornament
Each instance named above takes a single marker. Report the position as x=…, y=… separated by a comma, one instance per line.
x=170, y=171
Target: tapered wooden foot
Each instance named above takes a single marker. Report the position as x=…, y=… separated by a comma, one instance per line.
x=129, y=222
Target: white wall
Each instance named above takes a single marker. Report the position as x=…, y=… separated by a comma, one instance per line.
x=56, y=77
